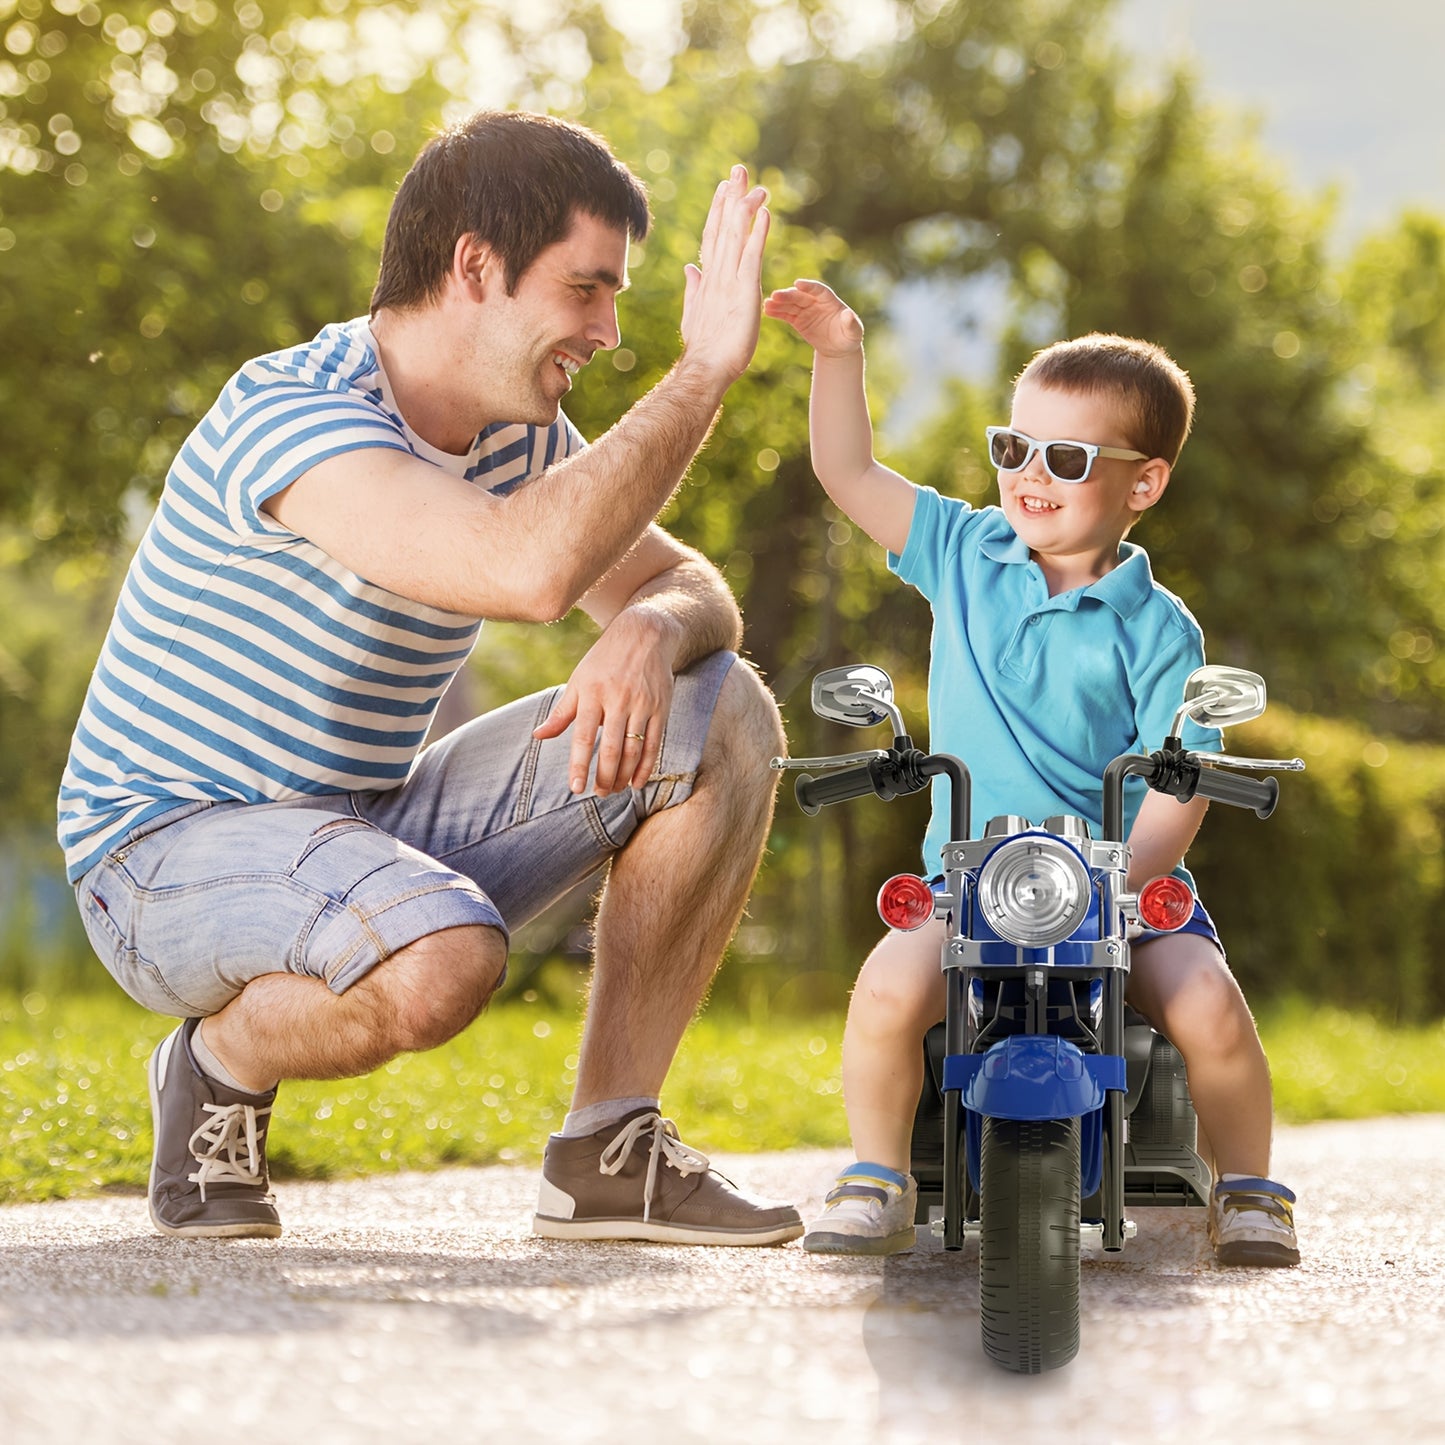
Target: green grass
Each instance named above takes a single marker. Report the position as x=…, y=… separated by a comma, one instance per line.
x=75, y=1118
x=1328, y=1063
x=75, y=1113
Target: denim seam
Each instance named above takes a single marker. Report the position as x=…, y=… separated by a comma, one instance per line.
x=153, y=972
x=444, y=886
x=530, y=759
x=144, y=893
x=592, y=813
x=369, y=934
x=365, y=918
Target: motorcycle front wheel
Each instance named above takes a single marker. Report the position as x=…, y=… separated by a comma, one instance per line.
x=1029, y=1243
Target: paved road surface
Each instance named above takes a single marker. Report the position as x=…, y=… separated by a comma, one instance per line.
x=420, y=1308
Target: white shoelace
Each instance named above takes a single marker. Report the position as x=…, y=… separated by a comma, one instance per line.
x=226, y=1146
x=666, y=1146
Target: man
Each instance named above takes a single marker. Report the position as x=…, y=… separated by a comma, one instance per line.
x=258, y=842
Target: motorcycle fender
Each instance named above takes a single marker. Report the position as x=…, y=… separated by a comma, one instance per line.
x=1033, y=1076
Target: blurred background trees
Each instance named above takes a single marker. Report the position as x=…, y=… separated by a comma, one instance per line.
x=185, y=185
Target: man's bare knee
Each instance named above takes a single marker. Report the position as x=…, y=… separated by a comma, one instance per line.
x=436, y=986
x=746, y=723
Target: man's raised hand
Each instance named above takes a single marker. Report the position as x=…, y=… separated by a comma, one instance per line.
x=722, y=300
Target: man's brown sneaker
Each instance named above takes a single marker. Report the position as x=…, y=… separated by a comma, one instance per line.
x=637, y=1180
x=208, y=1171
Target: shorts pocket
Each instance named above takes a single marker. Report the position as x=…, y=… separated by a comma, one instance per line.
x=100, y=901
x=325, y=833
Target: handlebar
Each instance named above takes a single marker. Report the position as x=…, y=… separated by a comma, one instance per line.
x=1260, y=794
x=1182, y=774
x=815, y=793
x=894, y=774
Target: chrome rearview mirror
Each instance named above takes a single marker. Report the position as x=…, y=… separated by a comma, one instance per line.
x=1219, y=697
x=860, y=696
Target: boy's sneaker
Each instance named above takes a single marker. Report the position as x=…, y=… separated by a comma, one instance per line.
x=1251, y=1221
x=637, y=1180
x=869, y=1210
x=208, y=1172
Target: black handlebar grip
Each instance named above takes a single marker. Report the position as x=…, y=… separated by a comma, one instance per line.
x=1261, y=794
x=814, y=793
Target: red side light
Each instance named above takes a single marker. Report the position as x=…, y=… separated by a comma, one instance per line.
x=1166, y=903
x=905, y=902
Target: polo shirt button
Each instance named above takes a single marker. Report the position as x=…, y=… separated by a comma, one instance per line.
x=1033, y=621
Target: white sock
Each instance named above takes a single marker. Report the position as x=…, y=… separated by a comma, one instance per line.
x=595, y=1117
x=213, y=1068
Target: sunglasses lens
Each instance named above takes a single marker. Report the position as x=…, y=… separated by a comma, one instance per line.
x=1008, y=450
x=1067, y=462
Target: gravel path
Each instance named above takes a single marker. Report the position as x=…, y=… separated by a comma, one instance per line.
x=419, y=1307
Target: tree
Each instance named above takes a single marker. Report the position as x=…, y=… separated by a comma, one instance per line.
x=182, y=188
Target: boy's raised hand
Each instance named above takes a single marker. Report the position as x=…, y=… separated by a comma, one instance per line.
x=818, y=316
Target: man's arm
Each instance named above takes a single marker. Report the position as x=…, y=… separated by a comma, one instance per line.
x=676, y=584
x=840, y=432
x=664, y=607
x=404, y=525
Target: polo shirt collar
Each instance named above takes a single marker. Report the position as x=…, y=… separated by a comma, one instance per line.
x=1125, y=589
x=1128, y=587
x=1004, y=545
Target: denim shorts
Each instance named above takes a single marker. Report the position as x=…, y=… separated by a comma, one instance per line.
x=196, y=903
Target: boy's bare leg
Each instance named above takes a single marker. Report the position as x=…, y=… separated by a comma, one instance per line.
x=674, y=897
x=1185, y=989
x=899, y=995
x=284, y=1026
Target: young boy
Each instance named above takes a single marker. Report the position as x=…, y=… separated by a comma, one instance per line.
x=1054, y=651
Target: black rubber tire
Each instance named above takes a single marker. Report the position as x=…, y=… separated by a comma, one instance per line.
x=1165, y=1112
x=1029, y=1243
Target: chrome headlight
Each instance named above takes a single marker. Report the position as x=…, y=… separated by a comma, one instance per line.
x=1034, y=891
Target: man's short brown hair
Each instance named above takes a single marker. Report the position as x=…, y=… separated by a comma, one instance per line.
x=1154, y=391
x=514, y=180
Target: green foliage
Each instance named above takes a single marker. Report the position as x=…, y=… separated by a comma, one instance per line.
x=1335, y=1063
x=183, y=186
x=1340, y=895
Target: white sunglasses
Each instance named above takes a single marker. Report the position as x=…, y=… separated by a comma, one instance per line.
x=1064, y=461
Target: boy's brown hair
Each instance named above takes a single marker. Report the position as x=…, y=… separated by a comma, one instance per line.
x=1154, y=390
x=514, y=180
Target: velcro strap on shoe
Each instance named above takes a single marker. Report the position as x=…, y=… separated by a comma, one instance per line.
x=1261, y=1194
x=866, y=1173
x=856, y=1190
x=1255, y=1186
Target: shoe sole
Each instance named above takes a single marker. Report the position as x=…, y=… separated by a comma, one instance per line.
x=820, y=1242
x=1256, y=1252
x=242, y=1229
x=656, y=1232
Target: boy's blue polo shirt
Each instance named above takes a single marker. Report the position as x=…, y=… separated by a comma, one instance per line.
x=1038, y=694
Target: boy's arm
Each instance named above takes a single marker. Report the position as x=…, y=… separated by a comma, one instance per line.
x=877, y=498
x=1161, y=835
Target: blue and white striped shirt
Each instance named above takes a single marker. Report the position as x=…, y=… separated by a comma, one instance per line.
x=243, y=662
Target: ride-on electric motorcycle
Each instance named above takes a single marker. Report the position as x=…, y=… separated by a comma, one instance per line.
x=1047, y=1109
